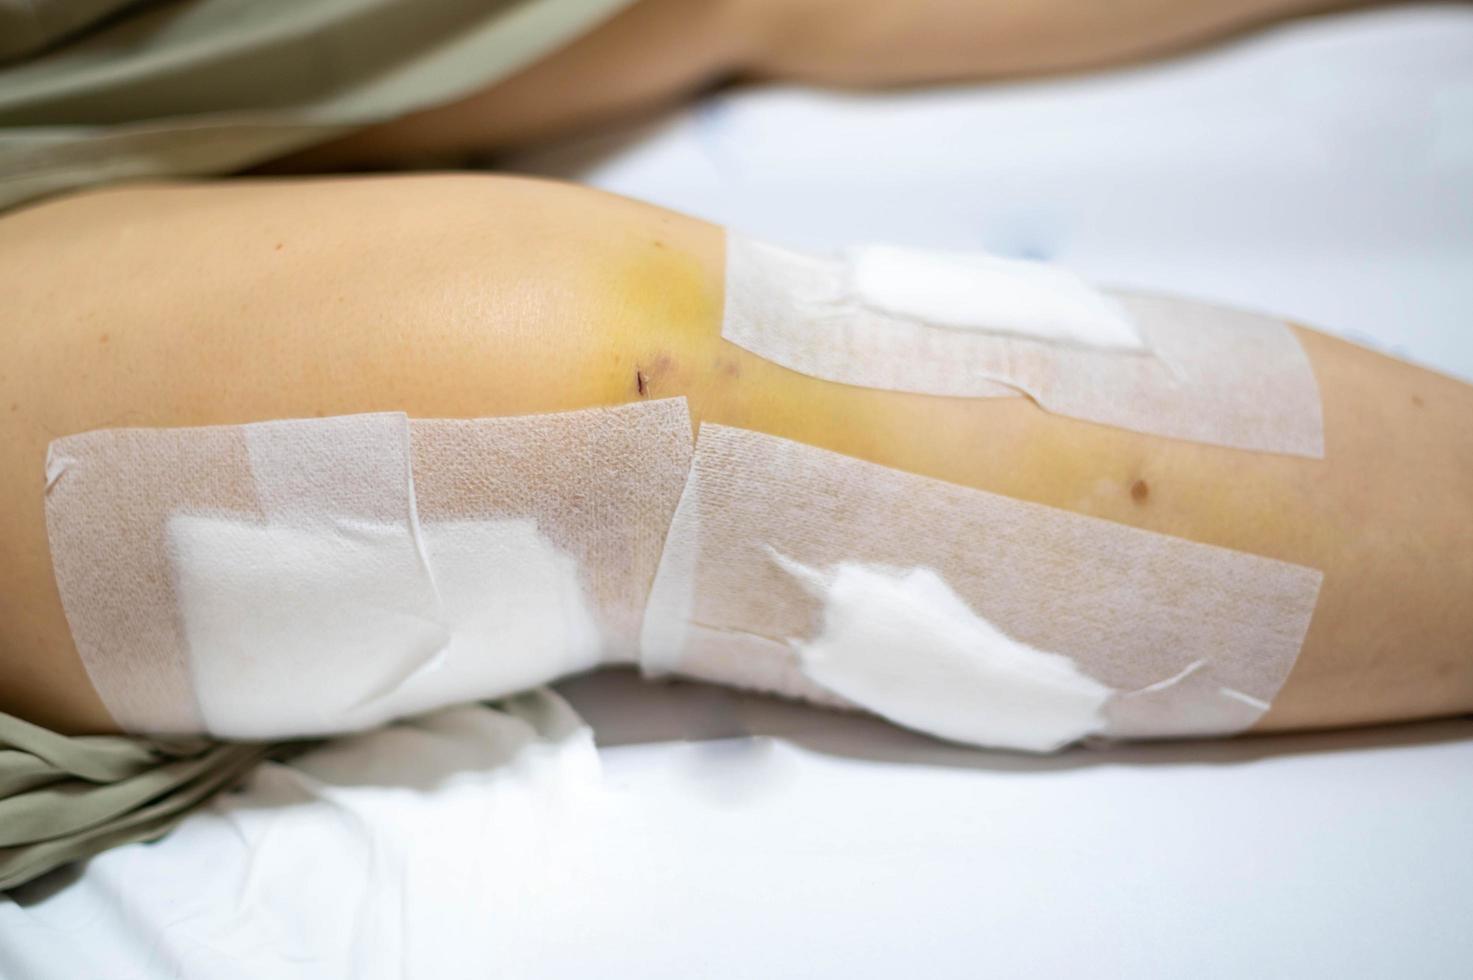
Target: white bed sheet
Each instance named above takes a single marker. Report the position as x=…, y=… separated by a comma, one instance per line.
x=1323, y=171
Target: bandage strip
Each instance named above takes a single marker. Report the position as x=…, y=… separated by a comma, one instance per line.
x=602, y=485
x=275, y=579
x=1206, y=374
x=1194, y=639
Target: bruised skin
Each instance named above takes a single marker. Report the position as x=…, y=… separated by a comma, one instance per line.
x=462, y=296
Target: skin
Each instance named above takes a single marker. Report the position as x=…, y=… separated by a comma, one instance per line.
x=657, y=52
x=462, y=296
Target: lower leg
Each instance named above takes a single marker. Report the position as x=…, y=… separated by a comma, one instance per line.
x=658, y=52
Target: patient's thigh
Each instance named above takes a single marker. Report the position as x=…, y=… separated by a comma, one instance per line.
x=444, y=296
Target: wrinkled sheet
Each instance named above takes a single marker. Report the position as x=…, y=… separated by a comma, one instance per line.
x=1321, y=171
x=423, y=849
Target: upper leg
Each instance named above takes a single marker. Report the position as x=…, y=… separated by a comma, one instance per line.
x=237, y=302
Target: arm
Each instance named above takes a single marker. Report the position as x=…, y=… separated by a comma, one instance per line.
x=479, y=296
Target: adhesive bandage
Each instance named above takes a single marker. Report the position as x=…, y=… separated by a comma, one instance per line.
x=314, y=576
x=962, y=613
x=601, y=485
x=965, y=324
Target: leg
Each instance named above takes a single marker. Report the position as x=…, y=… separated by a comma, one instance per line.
x=658, y=52
x=475, y=296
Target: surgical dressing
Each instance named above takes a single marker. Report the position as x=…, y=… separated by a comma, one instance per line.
x=314, y=576
x=903, y=644
x=311, y=576
x=296, y=630
x=818, y=576
x=600, y=484
x=972, y=325
x=977, y=291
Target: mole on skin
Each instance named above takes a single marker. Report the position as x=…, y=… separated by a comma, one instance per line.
x=1139, y=491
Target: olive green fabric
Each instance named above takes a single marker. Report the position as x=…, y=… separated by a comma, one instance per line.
x=109, y=90
x=27, y=26
x=68, y=797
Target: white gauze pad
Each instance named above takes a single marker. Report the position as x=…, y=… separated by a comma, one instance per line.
x=200, y=569
x=905, y=644
x=296, y=591
x=973, y=325
x=966, y=614
x=977, y=291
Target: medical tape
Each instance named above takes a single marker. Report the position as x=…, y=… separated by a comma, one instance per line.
x=276, y=579
x=597, y=488
x=1185, y=638
x=136, y=517
x=874, y=318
